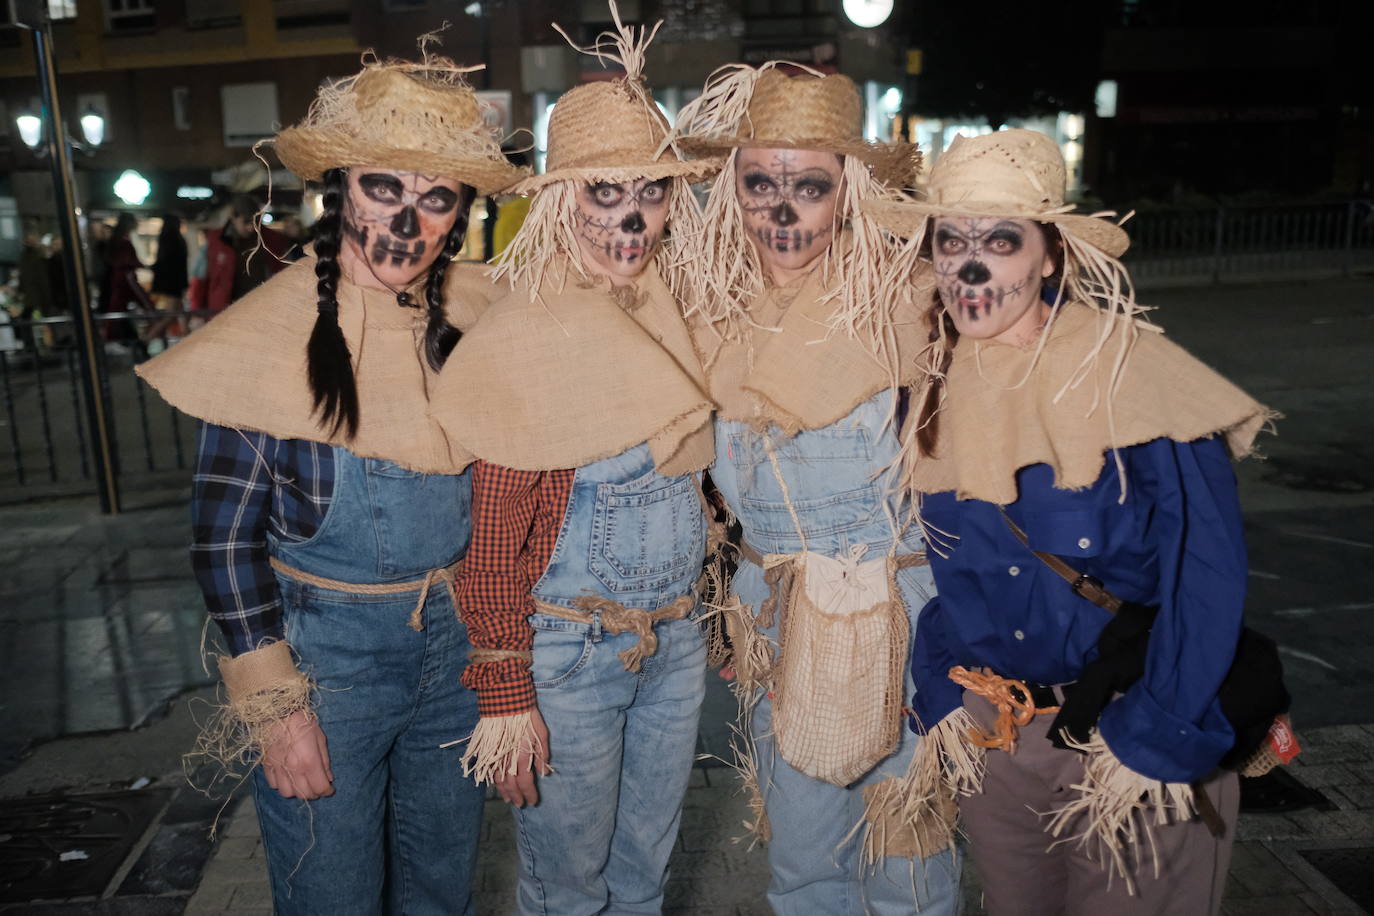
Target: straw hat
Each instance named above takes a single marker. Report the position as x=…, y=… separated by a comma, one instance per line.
x=744, y=107
x=413, y=117
x=1013, y=174
x=613, y=130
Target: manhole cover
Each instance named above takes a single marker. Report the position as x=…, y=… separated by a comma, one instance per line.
x=1351, y=870
x=59, y=846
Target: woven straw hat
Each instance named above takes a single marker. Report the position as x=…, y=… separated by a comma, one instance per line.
x=808, y=111
x=413, y=117
x=613, y=130
x=1013, y=174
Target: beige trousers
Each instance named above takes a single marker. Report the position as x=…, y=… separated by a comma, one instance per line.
x=1023, y=876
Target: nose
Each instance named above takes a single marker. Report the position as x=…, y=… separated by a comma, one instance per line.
x=784, y=215
x=405, y=225
x=974, y=273
x=633, y=223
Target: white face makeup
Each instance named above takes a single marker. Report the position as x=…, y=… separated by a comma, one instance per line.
x=788, y=198
x=989, y=272
x=396, y=223
x=620, y=225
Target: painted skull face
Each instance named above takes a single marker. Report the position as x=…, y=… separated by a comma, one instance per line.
x=399, y=220
x=989, y=272
x=788, y=197
x=619, y=225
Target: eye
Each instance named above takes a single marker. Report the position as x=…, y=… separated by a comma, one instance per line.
x=381, y=188
x=439, y=200
x=1004, y=242
x=813, y=190
x=653, y=193
x=952, y=245
x=607, y=195
x=759, y=184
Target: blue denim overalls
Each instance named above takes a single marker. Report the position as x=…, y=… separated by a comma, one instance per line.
x=621, y=743
x=839, y=484
x=399, y=834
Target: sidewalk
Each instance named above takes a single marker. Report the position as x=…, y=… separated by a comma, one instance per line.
x=713, y=875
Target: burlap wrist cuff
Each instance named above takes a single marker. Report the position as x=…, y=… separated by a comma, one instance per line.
x=262, y=688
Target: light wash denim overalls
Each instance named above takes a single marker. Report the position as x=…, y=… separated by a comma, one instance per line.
x=842, y=498
x=621, y=743
x=399, y=834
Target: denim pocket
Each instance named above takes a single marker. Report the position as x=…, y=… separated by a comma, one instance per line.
x=830, y=443
x=833, y=514
x=561, y=650
x=646, y=534
x=386, y=468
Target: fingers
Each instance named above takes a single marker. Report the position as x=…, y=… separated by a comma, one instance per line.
x=525, y=789
x=323, y=746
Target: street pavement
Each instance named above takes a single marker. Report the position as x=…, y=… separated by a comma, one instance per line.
x=100, y=672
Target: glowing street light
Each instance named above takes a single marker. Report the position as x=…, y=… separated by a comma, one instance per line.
x=867, y=14
x=30, y=129
x=93, y=126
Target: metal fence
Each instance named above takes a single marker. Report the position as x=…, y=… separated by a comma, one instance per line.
x=1235, y=244
x=44, y=447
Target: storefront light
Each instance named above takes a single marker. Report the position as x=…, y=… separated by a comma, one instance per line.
x=132, y=188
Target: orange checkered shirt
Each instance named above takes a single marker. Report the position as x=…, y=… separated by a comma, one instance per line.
x=516, y=517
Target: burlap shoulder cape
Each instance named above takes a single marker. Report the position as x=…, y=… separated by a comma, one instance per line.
x=246, y=369
x=989, y=429
x=581, y=373
x=796, y=371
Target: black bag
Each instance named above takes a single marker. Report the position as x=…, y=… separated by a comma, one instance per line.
x=1252, y=694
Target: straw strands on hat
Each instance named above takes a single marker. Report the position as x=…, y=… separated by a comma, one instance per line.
x=583, y=149
x=413, y=116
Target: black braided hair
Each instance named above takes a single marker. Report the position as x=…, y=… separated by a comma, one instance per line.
x=440, y=336
x=329, y=364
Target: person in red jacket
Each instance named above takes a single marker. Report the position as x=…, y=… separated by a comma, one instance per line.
x=227, y=273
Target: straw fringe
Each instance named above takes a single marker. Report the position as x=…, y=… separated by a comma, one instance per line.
x=244, y=722
x=621, y=46
x=1121, y=808
x=945, y=766
x=499, y=745
x=885, y=831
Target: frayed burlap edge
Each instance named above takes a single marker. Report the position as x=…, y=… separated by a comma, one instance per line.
x=1121, y=808
x=499, y=745
x=261, y=689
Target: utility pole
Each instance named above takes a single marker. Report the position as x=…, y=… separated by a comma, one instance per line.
x=33, y=16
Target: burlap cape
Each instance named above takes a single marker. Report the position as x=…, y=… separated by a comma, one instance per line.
x=803, y=374
x=246, y=369
x=578, y=374
x=989, y=430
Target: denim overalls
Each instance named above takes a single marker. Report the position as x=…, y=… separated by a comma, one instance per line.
x=839, y=480
x=399, y=834
x=621, y=743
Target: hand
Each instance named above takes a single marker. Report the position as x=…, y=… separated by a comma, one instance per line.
x=518, y=788
x=296, y=758
x=727, y=672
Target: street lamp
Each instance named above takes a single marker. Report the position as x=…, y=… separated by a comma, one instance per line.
x=93, y=126
x=30, y=129
x=868, y=14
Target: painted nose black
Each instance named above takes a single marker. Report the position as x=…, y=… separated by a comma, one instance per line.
x=784, y=215
x=633, y=223
x=405, y=225
x=974, y=273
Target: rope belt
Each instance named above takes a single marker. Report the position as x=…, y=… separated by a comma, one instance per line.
x=778, y=576
x=447, y=575
x=1015, y=706
x=616, y=618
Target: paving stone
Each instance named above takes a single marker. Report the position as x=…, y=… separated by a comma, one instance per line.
x=1327, y=774
x=1358, y=797
x=252, y=895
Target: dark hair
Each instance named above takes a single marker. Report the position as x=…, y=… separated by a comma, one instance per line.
x=125, y=225
x=329, y=363
x=244, y=206
x=944, y=335
x=171, y=229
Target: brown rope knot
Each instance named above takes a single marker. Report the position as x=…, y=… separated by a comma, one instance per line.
x=616, y=618
x=1012, y=698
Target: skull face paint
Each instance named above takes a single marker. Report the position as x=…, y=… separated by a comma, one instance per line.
x=397, y=223
x=989, y=272
x=788, y=198
x=619, y=225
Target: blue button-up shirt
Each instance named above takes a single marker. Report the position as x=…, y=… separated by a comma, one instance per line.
x=1176, y=542
x=245, y=484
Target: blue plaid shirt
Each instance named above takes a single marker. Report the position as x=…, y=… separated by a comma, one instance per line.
x=248, y=483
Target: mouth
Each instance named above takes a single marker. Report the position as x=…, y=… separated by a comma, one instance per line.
x=971, y=299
